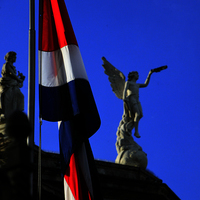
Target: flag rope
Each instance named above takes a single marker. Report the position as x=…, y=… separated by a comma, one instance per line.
x=40, y=162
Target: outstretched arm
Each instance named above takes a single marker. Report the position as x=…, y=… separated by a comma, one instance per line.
x=147, y=80
x=158, y=69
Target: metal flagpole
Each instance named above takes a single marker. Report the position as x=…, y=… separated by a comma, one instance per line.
x=31, y=83
x=40, y=139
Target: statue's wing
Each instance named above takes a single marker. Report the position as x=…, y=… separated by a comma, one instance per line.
x=116, y=78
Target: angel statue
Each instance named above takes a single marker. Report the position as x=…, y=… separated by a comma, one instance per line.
x=11, y=98
x=128, y=91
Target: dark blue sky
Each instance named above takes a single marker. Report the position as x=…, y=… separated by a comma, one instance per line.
x=132, y=35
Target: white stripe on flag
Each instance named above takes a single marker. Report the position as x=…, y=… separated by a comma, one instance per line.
x=67, y=192
x=61, y=66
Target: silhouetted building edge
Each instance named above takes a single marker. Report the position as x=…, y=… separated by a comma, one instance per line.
x=117, y=182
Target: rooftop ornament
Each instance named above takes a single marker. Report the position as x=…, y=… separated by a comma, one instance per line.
x=129, y=152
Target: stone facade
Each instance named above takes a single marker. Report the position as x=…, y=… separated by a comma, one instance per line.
x=118, y=182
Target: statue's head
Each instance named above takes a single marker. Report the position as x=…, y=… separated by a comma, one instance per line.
x=10, y=56
x=133, y=74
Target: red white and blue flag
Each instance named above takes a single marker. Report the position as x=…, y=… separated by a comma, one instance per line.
x=66, y=96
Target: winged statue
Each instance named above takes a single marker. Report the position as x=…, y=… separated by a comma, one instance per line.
x=128, y=91
x=129, y=152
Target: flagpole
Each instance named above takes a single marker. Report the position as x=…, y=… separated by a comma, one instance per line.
x=31, y=83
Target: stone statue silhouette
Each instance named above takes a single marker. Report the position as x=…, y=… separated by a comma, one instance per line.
x=129, y=152
x=11, y=98
x=129, y=92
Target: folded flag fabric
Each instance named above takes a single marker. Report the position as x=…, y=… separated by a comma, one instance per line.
x=64, y=87
x=81, y=178
x=66, y=96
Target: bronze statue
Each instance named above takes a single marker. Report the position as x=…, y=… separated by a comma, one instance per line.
x=129, y=152
x=11, y=97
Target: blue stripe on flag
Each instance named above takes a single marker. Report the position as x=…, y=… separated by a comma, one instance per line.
x=66, y=144
x=66, y=101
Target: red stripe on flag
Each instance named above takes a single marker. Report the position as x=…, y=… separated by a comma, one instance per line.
x=64, y=28
x=55, y=26
x=75, y=180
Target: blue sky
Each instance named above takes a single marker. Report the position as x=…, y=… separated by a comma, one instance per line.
x=132, y=35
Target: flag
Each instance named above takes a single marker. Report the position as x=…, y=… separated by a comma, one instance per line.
x=66, y=96
x=80, y=177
